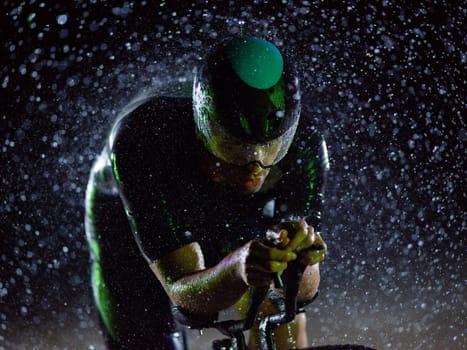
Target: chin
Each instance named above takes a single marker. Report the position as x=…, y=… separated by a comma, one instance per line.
x=249, y=189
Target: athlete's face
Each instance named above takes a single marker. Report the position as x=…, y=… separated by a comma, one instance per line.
x=255, y=162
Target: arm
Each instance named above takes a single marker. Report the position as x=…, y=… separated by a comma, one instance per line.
x=307, y=204
x=189, y=284
x=206, y=291
x=309, y=284
x=311, y=252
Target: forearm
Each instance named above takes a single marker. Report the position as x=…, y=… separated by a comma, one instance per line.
x=309, y=284
x=205, y=291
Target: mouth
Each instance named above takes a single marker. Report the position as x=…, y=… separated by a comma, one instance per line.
x=253, y=183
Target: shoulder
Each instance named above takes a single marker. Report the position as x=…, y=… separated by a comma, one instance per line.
x=147, y=134
x=150, y=119
x=305, y=167
x=308, y=145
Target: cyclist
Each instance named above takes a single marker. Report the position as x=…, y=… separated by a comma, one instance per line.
x=183, y=201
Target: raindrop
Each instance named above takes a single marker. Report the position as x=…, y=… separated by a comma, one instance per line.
x=24, y=310
x=62, y=19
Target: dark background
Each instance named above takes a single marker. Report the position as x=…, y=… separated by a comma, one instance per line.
x=383, y=80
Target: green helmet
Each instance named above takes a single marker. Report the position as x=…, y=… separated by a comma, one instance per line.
x=246, y=101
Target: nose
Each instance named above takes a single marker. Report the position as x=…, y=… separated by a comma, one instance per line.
x=255, y=168
x=259, y=154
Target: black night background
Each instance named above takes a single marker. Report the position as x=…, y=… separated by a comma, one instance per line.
x=383, y=80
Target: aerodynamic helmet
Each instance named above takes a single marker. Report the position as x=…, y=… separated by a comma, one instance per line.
x=246, y=102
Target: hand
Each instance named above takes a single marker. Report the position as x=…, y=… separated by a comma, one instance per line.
x=299, y=237
x=259, y=263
